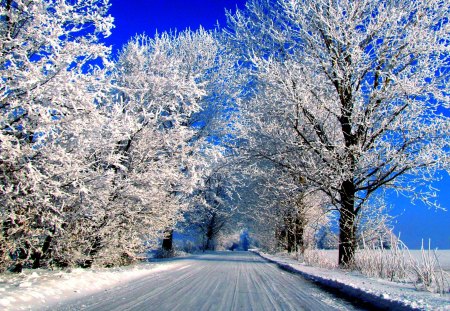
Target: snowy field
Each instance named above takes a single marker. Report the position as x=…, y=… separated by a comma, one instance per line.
x=443, y=257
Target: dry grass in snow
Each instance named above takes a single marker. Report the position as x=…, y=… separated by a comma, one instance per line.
x=426, y=269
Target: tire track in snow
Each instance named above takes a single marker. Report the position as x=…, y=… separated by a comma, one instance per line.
x=221, y=281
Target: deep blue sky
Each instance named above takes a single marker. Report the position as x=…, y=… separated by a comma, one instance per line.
x=138, y=16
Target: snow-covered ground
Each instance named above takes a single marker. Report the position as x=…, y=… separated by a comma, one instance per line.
x=34, y=288
x=443, y=257
x=219, y=281
x=379, y=292
x=211, y=281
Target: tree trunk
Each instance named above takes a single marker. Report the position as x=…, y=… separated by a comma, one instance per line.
x=38, y=256
x=4, y=253
x=95, y=248
x=294, y=228
x=209, y=241
x=167, y=243
x=36, y=260
x=347, y=224
x=211, y=233
x=8, y=13
x=299, y=234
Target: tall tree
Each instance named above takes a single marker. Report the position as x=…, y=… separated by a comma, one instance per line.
x=161, y=87
x=50, y=59
x=348, y=94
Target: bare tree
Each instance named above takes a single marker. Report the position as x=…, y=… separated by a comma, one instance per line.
x=347, y=94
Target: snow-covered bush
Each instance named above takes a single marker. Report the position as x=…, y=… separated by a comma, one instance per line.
x=318, y=258
x=396, y=263
x=427, y=273
x=376, y=261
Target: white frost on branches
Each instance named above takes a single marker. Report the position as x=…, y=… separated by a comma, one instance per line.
x=349, y=96
x=97, y=157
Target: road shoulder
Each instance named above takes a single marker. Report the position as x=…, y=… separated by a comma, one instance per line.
x=376, y=292
x=33, y=289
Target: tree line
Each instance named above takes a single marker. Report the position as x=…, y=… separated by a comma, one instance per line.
x=294, y=111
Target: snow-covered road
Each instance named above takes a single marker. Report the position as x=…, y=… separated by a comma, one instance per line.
x=214, y=281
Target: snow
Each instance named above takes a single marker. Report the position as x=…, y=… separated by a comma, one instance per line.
x=219, y=281
x=443, y=256
x=378, y=292
x=34, y=288
x=331, y=256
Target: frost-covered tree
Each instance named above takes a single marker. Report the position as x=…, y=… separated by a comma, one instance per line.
x=161, y=89
x=50, y=82
x=212, y=68
x=281, y=212
x=213, y=204
x=300, y=217
x=350, y=95
x=96, y=160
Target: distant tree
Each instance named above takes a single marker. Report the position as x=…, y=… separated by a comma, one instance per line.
x=326, y=239
x=244, y=240
x=301, y=216
x=349, y=95
x=281, y=212
x=215, y=210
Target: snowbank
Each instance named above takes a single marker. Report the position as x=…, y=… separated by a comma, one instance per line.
x=377, y=292
x=33, y=289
